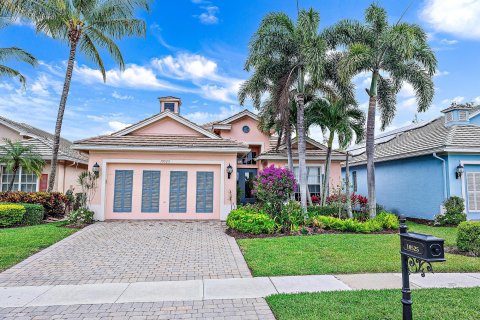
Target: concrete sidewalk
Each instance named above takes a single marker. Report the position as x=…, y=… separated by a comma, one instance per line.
x=217, y=289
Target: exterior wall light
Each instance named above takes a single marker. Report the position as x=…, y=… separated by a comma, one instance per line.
x=459, y=172
x=96, y=169
x=229, y=170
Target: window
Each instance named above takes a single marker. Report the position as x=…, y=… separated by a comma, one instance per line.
x=462, y=115
x=169, y=106
x=122, y=195
x=314, y=180
x=23, y=181
x=246, y=129
x=354, y=181
x=248, y=159
x=205, y=192
x=151, y=191
x=473, y=191
x=178, y=191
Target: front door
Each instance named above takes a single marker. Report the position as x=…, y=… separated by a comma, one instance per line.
x=245, y=179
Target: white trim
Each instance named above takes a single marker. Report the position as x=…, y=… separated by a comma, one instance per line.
x=462, y=150
x=103, y=172
x=462, y=180
x=160, y=116
x=219, y=126
x=239, y=115
x=155, y=148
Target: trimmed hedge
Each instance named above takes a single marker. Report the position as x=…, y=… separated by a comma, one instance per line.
x=34, y=214
x=383, y=221
x=11, y=214
x=54, y=203
x=330, y=210
x=468, y=236
x=248, y=221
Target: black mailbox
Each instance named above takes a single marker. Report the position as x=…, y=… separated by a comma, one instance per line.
x=422, y=246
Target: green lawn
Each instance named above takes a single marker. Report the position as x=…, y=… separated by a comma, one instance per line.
x=17, y=244
x=342, y=253
x=428, y=304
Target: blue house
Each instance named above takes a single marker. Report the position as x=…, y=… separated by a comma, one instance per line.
x=419, y=166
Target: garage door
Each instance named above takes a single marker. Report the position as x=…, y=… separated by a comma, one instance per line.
x=162, y=191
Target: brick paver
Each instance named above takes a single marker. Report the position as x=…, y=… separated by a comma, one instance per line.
x=134, y=251
x=236, y=309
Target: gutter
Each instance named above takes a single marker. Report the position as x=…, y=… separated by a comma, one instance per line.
x=444, y=174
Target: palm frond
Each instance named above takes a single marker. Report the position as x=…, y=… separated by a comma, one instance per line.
x=10, y=72
x=88, y=48
x=18, y=54
x=387, y=100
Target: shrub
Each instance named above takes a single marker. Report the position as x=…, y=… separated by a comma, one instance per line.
x=34, y=214
x=11, y=214
x=329, y=210
x=349, y=225
x=54, y=203
x=468, y=236
x=246, y=220
x=454, y=212
x=80, y=216
x=388, y=220
x=273, y=187
x=291, y=216
x=358, y=201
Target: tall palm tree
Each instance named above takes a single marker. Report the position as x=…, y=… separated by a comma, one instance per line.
x=15, y=155
x=392, y=55
x=292, y=52
x=86, y=25
x=337, y=117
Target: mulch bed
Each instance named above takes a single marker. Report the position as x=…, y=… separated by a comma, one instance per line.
x=455, y=250
x=309, y=231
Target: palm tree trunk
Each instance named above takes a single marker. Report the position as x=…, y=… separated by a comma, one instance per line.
x=288, y=141
x=61, y=111
x=12, y=181
x=302, y=172
x=326, y=181
x=370, y=145
x=347, y=186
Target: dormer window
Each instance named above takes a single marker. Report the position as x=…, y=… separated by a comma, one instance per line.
x=449, y=116
x=169, y=106
x=457, y=114
x=462, y=115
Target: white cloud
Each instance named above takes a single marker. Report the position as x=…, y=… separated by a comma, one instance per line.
x=117, y=125
x=476, y=100
x=407, y=91
x=458, y=99
x=458, y=17
x=42, y=85
x=440, y=73
x=118, y=96
x=204, y=117
x=448, y=42
x=187, y=66
x=209, y=16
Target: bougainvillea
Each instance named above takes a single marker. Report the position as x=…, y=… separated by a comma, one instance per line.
x=358, y=201
x=273, y=187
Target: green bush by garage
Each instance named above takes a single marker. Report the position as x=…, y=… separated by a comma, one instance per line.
x=11, y=214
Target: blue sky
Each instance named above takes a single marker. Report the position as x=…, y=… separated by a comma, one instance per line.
x=195, y=49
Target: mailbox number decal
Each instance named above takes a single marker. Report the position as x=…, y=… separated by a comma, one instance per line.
x=413, y=247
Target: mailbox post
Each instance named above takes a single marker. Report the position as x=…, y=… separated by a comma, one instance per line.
x=417, y=251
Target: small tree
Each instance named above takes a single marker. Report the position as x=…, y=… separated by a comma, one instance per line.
x=88, y=182
x=273, y=187
x=15, y=155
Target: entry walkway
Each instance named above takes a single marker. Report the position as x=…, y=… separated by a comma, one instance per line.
x=217, y=289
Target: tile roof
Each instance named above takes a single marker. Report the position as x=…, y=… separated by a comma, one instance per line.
x=159, y=142
x=42, y=142
x=316, y=151
x=422, y=139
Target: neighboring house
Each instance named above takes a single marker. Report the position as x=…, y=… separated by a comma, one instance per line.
x=70, y=162
x=417, y=167
x=167, y=167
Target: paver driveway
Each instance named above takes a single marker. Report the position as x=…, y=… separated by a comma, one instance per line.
x=134, y=251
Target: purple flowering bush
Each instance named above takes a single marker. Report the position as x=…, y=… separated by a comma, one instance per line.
x=273, y=188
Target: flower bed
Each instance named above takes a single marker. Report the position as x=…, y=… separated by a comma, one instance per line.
x=54, y=203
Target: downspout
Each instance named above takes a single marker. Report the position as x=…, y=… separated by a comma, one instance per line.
x=444, y=175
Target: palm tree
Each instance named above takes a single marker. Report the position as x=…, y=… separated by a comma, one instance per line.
x=393, y=55
x=15, y=155
x=337, y=117
x=291, y=52
x=88, y=26
x=18, y=54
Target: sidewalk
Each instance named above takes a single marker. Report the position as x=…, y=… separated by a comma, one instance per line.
x=217, y=289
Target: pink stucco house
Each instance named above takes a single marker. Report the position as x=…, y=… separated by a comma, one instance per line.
x=167, y=167
x=70, y=162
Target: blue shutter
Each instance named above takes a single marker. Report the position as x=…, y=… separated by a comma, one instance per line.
x=122, y=196
x=204, y=192
x=151, y=191
x=178, y=191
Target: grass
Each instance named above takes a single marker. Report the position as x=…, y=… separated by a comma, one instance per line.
x=17, y=244
x=342, y=253
x=428, y=304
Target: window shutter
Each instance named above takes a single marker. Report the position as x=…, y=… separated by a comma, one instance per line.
x=178, y=191
x=122, y=196
x=473, y=191
x=204, y=192
x=151, y=191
